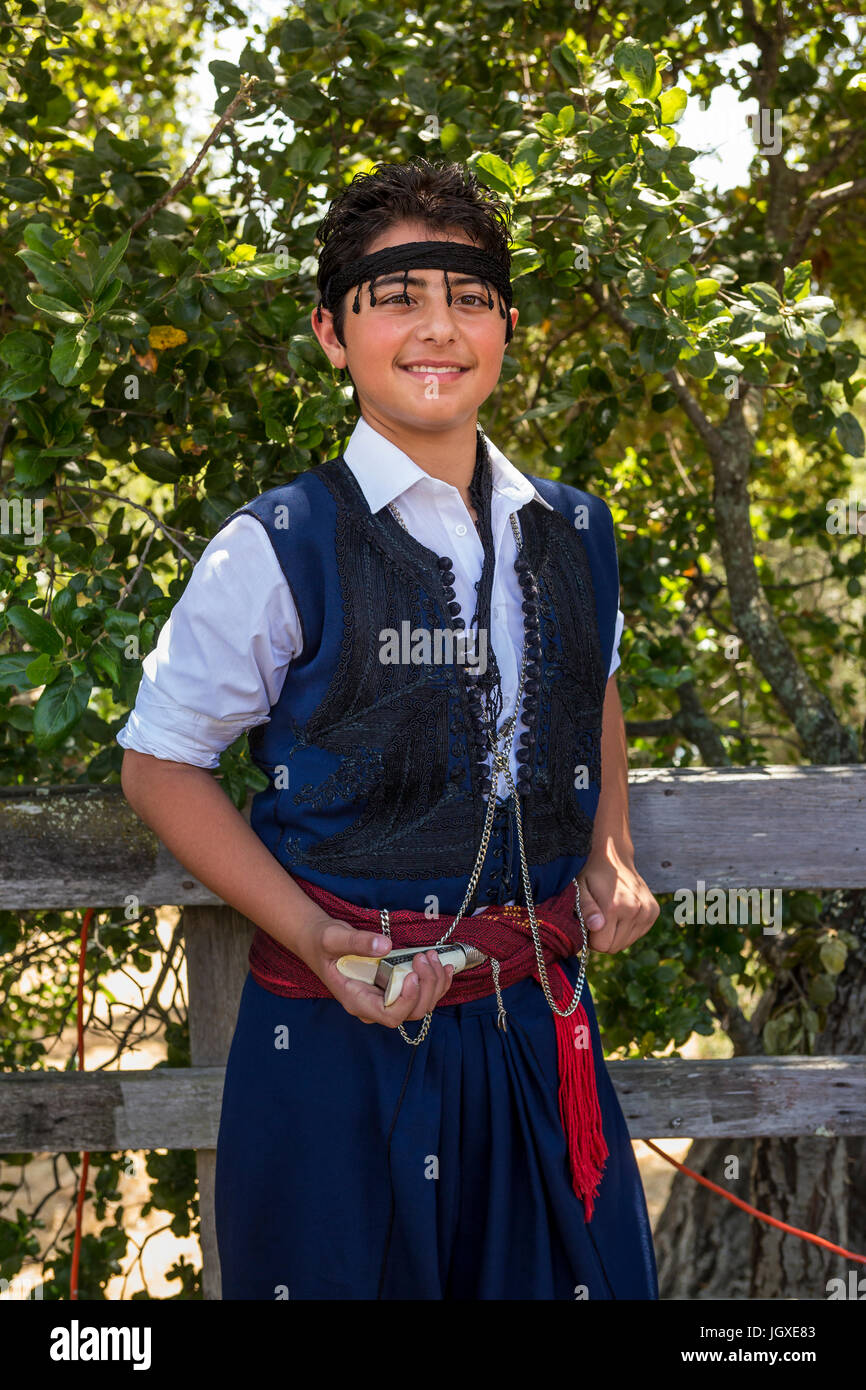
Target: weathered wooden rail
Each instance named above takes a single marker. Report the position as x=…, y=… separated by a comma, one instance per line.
x=772, y=827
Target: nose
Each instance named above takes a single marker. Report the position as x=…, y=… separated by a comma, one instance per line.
x=438, y=321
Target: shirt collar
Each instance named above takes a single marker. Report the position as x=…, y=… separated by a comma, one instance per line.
x=383, y=472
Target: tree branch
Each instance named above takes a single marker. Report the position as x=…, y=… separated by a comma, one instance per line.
x=243, y=95
x=706, y=429
x=827, y=739
x=819, y=171
x=816, y=206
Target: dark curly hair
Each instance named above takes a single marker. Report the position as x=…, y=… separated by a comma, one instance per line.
x=443, y=196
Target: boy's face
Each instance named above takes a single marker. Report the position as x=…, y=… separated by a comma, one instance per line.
x=387, y=344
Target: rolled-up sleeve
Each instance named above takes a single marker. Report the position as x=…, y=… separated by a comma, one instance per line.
x=615, y=660
x=222, y=655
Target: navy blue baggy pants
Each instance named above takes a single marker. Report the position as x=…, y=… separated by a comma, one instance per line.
x=351, y=1166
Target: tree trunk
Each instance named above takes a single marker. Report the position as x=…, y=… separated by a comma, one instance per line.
x=708, y=1249
x=702, y=1241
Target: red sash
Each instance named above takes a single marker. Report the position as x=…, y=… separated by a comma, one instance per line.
x=504, y=933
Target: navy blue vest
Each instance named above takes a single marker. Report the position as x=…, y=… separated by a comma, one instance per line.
x=375, y=788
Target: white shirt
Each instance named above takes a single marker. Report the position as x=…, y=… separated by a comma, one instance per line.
x=222, y=655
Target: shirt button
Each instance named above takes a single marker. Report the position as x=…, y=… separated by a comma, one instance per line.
x=460, y=529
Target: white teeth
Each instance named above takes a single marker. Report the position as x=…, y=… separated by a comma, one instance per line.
x=439, y=370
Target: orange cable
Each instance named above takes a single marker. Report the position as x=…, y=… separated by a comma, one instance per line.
x=753, y=1211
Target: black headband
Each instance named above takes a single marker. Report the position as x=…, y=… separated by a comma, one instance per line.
x=420, y=255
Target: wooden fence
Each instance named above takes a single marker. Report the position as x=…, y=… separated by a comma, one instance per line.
x=771, y=827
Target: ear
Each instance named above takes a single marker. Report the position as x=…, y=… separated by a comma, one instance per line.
x=328, y=340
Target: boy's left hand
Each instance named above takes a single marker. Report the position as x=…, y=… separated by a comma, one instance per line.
x=612, y=889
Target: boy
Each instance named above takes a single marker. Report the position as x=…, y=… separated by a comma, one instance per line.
x=489, y=1159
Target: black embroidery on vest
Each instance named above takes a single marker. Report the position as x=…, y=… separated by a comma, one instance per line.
x=481, y=496
x=400, y=731
x=392, y=726
x=571, y=688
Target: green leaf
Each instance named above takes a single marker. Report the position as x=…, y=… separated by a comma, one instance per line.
x=59, y=708
x=24, y=190
x=673, y=104
x=706, y=288
x=228, y=280
x=834, y=954
x=54, y=277
x=109, y=263
x=635, y=63
x=71, y=350
x=55, y=308
x=107, y=298
x=701, y=363
x=295, y=36
x=224, y=74
x=642, y=280
x=33, y=465
x=761, y=293
x=23, y=349
x=40, y=671
x=41, y=236
x=644, y=312
x=35, y=629
x=654, y=238
x=106, y=663
x=846, y=359
x=165, y=255
x=623, y=181
x=160, y=465
x=849, y=434
x=19, y=385
x=681, y=283
x=450, y=136
x=272, y=266
x=497, y=172
x=27, y=354
x=615, y=106
x=121, y=624
x=815, y=304
x=567, y=64
x=13, y=671
x=822, y=990
x=65, y=611
x=126, y=323
x=524, y=260
x=798, y=280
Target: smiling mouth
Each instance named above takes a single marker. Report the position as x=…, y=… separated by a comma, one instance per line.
x=435, y=371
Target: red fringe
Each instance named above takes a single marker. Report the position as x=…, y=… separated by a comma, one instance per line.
x=578, y=1097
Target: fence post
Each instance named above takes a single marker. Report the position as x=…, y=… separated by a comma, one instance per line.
x=217, y=944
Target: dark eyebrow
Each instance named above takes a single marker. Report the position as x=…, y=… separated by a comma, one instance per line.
x=422, y=284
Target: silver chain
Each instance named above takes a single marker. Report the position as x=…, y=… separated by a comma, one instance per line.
x=500, y=763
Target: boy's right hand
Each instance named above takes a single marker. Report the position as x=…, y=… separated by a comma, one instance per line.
x=322, y=941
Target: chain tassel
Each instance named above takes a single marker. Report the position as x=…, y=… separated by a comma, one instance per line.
x=501, y=1017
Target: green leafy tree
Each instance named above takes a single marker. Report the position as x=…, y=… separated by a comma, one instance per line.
x=693, y=355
